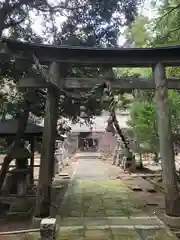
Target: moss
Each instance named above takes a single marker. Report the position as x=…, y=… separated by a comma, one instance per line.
x=98, y=234
x=156, y=234
x=31, y=236
x=102, y=198
x=124, y=234
x=165, y=235
x=71, y=235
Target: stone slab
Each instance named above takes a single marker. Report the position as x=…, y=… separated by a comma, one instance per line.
x=63, y=174
x=134, y=221
x=71, y=221
x=95, y=223
x=92, y=234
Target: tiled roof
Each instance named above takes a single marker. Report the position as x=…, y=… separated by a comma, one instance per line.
x=9, y=127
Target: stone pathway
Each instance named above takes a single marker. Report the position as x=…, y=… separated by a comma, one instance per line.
x=98, y=208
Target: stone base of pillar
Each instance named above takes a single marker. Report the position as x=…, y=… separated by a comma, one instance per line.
x=173, y=222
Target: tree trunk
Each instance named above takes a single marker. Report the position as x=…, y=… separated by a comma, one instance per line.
x=22, y=123
x=172, y=198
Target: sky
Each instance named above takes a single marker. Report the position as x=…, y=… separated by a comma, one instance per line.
x=146, y=10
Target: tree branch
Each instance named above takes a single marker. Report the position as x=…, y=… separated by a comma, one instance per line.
x=169, y=33
x=169, y=11
x=173, y=30
x=19, y=4
x=13, y=23
x=56, y=8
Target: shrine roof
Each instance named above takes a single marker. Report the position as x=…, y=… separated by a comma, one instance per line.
x=8, y=128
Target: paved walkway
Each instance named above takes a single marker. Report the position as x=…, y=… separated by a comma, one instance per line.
x=96, y=207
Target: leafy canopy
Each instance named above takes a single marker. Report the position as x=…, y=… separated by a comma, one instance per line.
x=87, y=22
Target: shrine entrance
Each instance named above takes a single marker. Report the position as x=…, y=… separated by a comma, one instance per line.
x=87, y=142
x=52, y=64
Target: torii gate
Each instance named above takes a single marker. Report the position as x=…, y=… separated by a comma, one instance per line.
x=56, y=56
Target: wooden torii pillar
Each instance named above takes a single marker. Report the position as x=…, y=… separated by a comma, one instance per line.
x=172, y=199
x=43, y=199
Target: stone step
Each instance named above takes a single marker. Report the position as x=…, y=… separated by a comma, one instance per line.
x=143, y=175
x=143, y=222
x=133, y=227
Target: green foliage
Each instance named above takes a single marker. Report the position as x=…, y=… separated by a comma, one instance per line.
x=138, y=33
x=143, y=72
x=16, y=23
x=98, y=23
x=143, y=110
x=120, y=101
x=174, y=101
x=16, y=16
x=88, y=23
x=167, y=29
x=168, y=24
x=143, y=122
x=10, y=99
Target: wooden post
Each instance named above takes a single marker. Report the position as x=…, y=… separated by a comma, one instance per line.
x=43, y=200
x=32, y=162
x=172, y=199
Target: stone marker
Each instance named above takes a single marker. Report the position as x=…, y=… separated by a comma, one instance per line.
x=48, y=229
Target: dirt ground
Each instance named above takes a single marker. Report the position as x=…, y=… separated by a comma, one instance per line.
x=59, y=189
